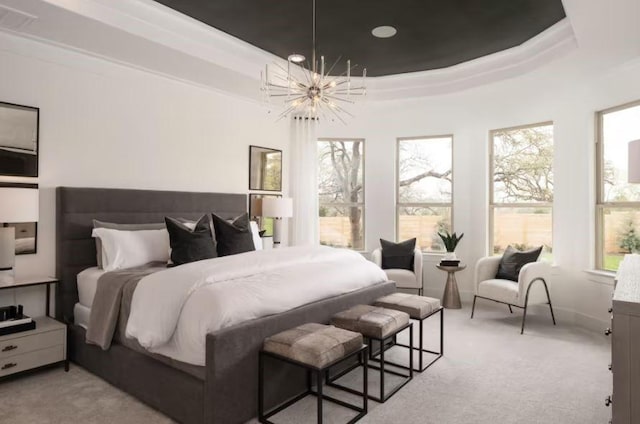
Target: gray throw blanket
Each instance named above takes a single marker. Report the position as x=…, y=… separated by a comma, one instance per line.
x=106, y=307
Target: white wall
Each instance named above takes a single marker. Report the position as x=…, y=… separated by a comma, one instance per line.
x=106, y=125
x=562, y=92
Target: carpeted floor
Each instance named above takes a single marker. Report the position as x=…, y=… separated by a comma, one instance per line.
x=490, y=374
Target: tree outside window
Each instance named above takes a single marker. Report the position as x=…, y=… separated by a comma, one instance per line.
x=341, y=193
x=521, y=197
x=618, y=201
x=424, y=189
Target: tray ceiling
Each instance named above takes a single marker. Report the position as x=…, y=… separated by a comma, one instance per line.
x=432, y=34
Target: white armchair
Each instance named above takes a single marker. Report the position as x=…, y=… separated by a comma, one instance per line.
x=520, y=294
x=403, y=278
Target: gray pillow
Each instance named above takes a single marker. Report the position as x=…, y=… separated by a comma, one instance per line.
x=398, y=255
x=190, y=245
x=513, y=260
x=121, y=227
x=233, y=237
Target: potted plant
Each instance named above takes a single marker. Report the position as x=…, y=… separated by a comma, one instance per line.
x=450, y=243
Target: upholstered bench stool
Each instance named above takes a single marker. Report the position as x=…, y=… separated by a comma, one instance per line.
x=380, y=325
x=419, y=308
x=316, y=348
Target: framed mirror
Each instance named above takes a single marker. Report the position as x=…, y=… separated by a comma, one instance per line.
x=20, y=211
x=265, y=169
x=18, y=140
x=255, y=213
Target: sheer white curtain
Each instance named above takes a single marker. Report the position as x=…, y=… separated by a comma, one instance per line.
x=303, y=227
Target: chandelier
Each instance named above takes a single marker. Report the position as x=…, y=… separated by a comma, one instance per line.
x=311, y=91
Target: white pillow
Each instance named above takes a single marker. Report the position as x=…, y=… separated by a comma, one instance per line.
x=128, y=249
x=255, y=233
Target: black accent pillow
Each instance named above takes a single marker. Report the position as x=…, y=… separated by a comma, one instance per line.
x=398, y=255
x=513, y=260
x=190, y=245
x=233, y=237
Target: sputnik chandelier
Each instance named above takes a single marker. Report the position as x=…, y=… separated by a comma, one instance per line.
x=310, y=91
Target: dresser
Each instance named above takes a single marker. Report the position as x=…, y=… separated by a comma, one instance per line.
x=625, y=344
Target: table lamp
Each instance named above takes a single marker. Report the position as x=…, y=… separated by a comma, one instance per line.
x=277, y=208
x=17, y=205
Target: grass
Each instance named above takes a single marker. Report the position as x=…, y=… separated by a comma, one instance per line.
x=612, y=262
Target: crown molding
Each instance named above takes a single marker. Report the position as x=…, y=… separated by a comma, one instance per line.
x=555, y=42
x=171, y=44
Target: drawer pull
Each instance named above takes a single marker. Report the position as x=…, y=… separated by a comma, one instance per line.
x=610, y=310
x=610, y=367
x=608, y=401
x=607, y=331
x=9, y=365
x=9, y=348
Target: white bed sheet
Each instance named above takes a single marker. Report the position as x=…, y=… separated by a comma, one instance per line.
x=173, y=310
x=81, y=315
x=87, y=285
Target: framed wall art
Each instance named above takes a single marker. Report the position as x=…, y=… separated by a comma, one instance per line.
x=19, y=133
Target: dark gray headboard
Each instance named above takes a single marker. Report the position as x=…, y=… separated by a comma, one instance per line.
x=77, y=207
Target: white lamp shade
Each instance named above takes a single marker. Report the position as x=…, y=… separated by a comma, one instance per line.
x=634, y=161
x=18, y=204
x=277, y=207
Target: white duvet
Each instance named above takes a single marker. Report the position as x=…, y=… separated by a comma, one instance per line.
x=173, y=310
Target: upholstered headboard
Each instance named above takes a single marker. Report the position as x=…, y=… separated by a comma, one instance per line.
x=77, y=207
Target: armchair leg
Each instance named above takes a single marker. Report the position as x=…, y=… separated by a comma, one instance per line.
x=526, y=302
x=524, y=315
x=546, y=289
x=510, y=310
x=473, y=308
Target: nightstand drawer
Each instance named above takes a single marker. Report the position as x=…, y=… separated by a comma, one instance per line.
x=21, y=345
x=31, y=360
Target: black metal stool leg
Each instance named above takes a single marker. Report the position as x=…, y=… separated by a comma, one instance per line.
x=411, y=352
x=421, y=346
x=319, y=395
x=365, y=383
x=381, y=373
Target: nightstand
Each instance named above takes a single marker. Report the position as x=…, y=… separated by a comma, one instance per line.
x=45, y=345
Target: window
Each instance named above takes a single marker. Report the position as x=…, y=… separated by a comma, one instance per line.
x=341, y=192
x=424, y=189
x=618, y=202
x=521, y=191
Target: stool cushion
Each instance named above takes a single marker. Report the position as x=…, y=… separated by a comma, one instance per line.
x=371, y=321
x=313, y=344
x=416, y=306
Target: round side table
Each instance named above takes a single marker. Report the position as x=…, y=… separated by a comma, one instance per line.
x=451, y=296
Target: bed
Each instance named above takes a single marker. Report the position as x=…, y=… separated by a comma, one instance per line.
x=225, y=389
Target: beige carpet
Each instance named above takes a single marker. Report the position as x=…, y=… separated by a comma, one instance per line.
x=490, y=374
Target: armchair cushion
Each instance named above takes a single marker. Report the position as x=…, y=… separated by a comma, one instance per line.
x=398, y=255
x=513, y=260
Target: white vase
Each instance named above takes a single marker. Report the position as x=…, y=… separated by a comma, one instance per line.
x=450, y=256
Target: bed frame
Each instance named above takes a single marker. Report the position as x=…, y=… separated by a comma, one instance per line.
x=225, y=390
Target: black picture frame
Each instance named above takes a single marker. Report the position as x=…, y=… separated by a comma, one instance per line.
x=263, y=160
x=264, y=223
x=24, y=230
x=19, y=153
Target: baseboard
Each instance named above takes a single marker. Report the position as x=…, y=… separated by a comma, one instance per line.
x=563, y=315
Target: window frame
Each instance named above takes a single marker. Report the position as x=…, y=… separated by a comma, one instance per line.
x=601, y=205
x=349, y=204
x=492, y=204
x=420, y=204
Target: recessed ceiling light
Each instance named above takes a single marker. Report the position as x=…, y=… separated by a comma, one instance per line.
x=296, y=58
x=384, y=31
